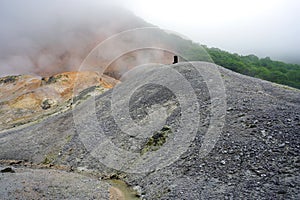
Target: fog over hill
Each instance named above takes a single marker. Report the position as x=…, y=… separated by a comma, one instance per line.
x=50, y=37
x=268, y=28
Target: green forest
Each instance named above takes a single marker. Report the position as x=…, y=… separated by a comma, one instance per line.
x=251, y=65
x=263, y=68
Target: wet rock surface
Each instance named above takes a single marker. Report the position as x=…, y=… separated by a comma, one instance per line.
x=256, y=155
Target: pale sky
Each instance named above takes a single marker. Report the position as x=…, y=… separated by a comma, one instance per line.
x=261, y=27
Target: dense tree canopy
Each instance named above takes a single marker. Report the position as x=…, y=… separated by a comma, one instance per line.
x=264, y=68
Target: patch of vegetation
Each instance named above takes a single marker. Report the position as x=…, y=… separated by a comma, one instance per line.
x=55, y=78
x=263, y=68
x=50, y=158
x=157, y=140
x=69, y=138
x=52, y=79
x=9, y=79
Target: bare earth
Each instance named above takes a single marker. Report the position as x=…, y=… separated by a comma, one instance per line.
x=255, y=157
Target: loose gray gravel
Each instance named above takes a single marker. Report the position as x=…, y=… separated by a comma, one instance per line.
x=256, y=156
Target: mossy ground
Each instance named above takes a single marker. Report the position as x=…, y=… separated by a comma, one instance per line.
x=50, y=158
x=54, y=79
x=157, y=140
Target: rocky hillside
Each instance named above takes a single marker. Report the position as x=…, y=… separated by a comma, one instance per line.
x=27, y=98
x=255, y=156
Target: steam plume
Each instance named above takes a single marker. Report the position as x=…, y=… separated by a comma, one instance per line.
x=48, y=37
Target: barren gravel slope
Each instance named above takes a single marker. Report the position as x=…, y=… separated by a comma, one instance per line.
x=256, y=155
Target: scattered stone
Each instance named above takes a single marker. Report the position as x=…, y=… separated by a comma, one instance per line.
x=82, y=169
x=16, y=162
x=281, y=145
x=7, y=170
x=281, y=191
x=263, y=132
x=229, y=108
x=138, y=190
x=47, y=103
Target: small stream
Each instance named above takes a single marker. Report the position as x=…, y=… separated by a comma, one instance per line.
x=127, y=191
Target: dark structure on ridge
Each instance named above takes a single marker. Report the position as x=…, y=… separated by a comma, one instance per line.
x=175, y=60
